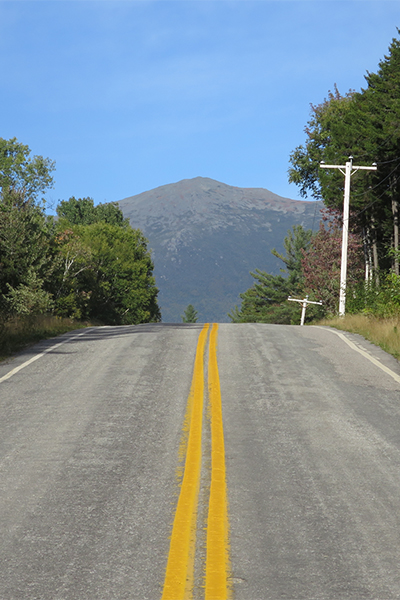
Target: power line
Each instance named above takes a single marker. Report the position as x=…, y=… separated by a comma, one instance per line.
x=376, y=185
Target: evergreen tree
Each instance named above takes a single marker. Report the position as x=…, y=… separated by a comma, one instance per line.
x=363, y=125
x=190, y=315
x=266, y=300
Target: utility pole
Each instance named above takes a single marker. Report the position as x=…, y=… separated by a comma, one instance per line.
x=304, y=303
x=349, y=170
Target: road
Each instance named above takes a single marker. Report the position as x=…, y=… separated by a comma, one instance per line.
x=250, y=462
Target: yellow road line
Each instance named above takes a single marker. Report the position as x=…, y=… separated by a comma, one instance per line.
x=179, y=572
x=217, y=562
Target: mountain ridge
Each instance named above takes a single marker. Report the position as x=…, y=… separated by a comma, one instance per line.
x=206, y=236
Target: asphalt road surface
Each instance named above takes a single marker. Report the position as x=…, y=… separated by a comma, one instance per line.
x=121, y=477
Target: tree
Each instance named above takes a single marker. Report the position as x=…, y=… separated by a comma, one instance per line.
x=381, y=101
x=327, y=138
x=24, y=234
x=107, y=274
x=266, y=300
x=321, y=264
x=77, y=211
x=20, y=172
x=296, y=241
x=25, y=237
x=82, y=211
x=28, y=299
x=364, y=125
x=190, y=314
x=110, y=213
x=105, y=271
x=71, y=258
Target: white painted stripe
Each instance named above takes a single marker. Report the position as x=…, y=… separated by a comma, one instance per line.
x=31, y=360
x=352, y=345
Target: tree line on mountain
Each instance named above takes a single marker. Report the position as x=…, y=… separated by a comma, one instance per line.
x=88, y=263
x=366, y=126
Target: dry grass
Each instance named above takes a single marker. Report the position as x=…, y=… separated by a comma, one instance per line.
x=381, y=332
x=21, y=333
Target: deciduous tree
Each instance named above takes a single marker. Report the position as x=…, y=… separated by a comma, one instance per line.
x=21, y=172
x=112, y=275
x=82, y=211
x=321, y=264
x=25, y=239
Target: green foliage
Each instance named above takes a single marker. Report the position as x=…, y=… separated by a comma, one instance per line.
x=20, y=172
x=364, y=125
x=77, y=211
x=266, y=300
x=328, y=135
x=105, y=273
x=379, y=300
x=28, y=298
x=72, y=258
x=123, y=289
x=88, y=264
x=110, y=213
x=82, y=211
x=25, y=236
x=296, y=241
x=190, y=314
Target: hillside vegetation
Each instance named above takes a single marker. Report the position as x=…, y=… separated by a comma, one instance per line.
x=364, y=125
x=89, y=264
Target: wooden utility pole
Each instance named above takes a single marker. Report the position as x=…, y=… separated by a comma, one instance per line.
x=349, y=170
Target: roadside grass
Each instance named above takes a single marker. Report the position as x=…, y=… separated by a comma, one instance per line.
x=381, y=332
x=17, y=334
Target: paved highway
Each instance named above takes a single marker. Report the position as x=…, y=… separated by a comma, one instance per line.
x=250, y=462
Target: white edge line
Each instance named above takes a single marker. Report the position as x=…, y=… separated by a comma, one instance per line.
x=376, y=362
x=31, y=360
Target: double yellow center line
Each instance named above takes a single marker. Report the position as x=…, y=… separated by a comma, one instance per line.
x=179, y=578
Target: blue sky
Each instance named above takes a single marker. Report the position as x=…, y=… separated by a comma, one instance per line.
x=128, y=95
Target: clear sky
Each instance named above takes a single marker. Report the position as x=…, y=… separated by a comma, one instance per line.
x=129, y=95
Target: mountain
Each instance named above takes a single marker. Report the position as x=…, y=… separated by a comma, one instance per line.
x=207, y=236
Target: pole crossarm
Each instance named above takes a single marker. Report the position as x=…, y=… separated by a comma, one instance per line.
x=304, y=302
x=342, y=168
x=349, y=170
x=324, y=166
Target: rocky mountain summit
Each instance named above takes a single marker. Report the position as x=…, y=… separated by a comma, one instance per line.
x=207, y=236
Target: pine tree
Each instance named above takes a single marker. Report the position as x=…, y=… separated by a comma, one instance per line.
x=266, y=300
x=190, y=315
